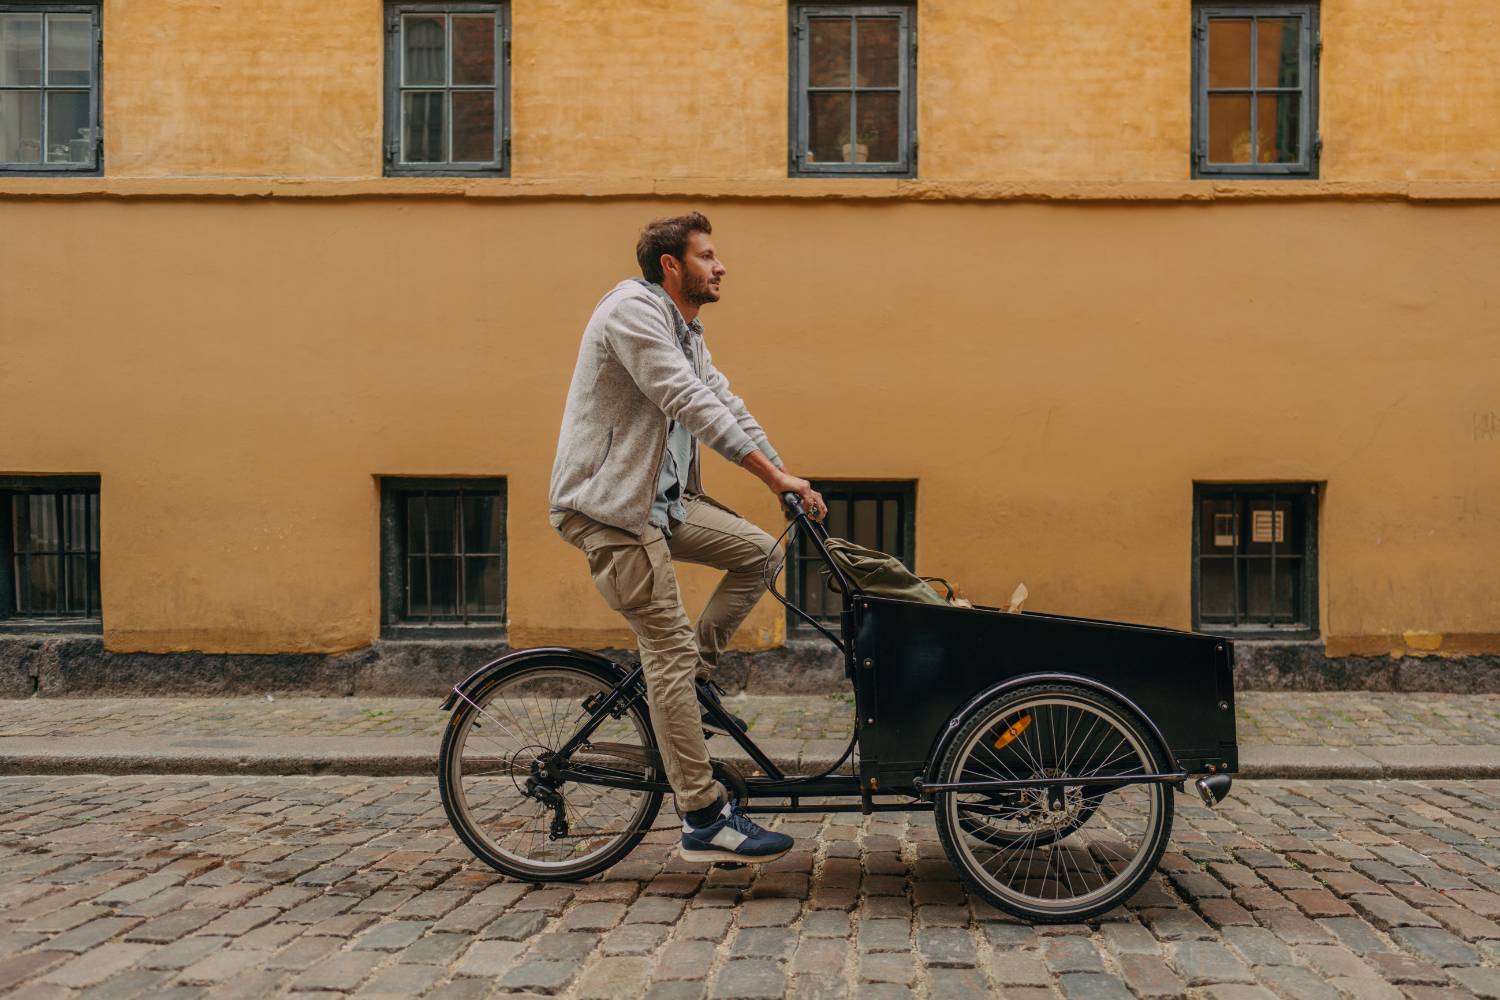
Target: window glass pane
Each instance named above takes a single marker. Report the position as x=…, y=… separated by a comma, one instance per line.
x=828, y=128
x=813, y=586
x=77, y=580
x=879, y=52
x=424, y=56
x=879, y=128
x=1218, y=526
x=1279, y=124
x=889, y=528
x=1265, y=523
x=20, y=127
x=94, y=524
x=20, y=50
x=481, y=524
x=828, y=52
x=45, y=593
x=69, y=49
x=1259, y=605
x=1216, y=590
x=416, y=525
x=864, y=524
x=416, y=588
x=68, y=132
x=473, y=126
x=75, y=509
x=424, y=139
x=94, y=585
x=1229, y=129
x=1278, y=53
x=444, y=594
x=473, y=50
x=483, y=583
x=1228, y=53
x=442, y=525
x=42, y=510
x=837, y=521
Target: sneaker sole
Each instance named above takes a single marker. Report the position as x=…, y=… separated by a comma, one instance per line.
x=709, y=857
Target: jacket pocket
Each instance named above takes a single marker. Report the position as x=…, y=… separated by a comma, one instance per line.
x=609, y=440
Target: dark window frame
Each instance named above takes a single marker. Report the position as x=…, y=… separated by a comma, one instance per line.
x=391, y=148
x=96, y=93
x=11, y=618
x=393, y=558
x=904, y=491
x=1308, y=496
x=1310, y=140
x=797, y=102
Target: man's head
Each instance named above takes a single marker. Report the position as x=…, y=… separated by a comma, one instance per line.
x=678, y=254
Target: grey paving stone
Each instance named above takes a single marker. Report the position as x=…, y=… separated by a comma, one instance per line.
x=1297, y=982
x=1092, y=986
x=393, y=935
x=1435, y=945
x=611, y=978
x=222, y=965
x=1386, y=912
x=341, y=973
x=91, y=934
x=594, y=916
x=884, y=935
x=763, y=942
x=1483, y=982
x=950, y=947
x=887, y=967
x=1071, y=954
x=1150, y=976
x=515, y=926
x=826, y=923
x=1201, y=963
x=488, y=959
x=1396, y=968
x=635, y=939
x=958, y=983
x=749, y=979
x=1355, y=934
x=685, y=960
x=819, y=986
x=1018, y=968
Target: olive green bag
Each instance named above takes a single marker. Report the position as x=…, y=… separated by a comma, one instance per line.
x=881, y=574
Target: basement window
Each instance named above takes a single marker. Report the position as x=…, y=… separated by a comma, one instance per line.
x=1255, y=559
x=442, y=557
x=877, y=515
x=853, y=90
x=49, y=89
x=49, y=544
x=447, y=89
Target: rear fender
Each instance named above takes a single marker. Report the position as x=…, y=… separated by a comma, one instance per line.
x=553, y=654
x=956, y=723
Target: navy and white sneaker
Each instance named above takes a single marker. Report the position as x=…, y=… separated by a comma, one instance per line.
x=732, y=837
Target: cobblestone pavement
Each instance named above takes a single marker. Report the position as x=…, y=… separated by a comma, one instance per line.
x=223, y=887
x=1345, y=718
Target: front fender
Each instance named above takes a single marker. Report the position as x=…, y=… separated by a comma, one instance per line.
x=581, y=657
x=962, y=715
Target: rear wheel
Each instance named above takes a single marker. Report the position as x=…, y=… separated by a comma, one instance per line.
x=493, y=773
x=1027, y=850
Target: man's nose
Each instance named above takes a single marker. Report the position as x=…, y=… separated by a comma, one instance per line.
x=719, y=267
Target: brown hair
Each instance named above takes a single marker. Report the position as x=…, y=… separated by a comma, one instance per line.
x=667, y=235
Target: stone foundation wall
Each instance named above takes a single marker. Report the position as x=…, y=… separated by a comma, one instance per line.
x=79, y=666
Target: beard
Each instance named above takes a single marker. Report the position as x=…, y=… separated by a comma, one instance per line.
x=700, y=291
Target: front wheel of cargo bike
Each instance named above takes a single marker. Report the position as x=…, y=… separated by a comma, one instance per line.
x=491, y=773
x=1027, y=850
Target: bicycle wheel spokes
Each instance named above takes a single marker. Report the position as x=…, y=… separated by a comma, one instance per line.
x=1055, y=849
x=502, y=786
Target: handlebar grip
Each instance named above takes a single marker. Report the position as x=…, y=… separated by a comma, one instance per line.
x=792, y=503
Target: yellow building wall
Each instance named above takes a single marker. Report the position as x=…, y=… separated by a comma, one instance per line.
x=1055, y=377
x=1006, y=89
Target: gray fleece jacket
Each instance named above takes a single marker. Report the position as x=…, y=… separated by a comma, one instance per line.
x=632, y=379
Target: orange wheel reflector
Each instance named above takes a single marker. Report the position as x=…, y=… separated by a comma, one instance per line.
x=1010, y=734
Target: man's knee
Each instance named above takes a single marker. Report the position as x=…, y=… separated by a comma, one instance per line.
x=762, y=554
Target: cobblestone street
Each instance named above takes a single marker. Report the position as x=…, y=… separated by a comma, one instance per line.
x=179, y=887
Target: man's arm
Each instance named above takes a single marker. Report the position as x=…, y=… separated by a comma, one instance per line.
x=782, y=482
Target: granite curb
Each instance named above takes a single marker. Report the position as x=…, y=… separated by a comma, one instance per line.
x=401, y=756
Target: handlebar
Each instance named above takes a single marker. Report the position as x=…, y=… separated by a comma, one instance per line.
x=792, y=504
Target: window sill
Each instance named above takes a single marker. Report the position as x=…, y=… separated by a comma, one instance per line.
x=42, y=626
x=444, y=633
x=1245, y=634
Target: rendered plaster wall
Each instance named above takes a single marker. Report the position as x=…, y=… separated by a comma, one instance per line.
x=1007, y=89
x=1054, y=377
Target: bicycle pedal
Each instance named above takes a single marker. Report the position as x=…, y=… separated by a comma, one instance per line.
x=729, y=866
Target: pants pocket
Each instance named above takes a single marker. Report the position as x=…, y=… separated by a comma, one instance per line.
x=632, y=575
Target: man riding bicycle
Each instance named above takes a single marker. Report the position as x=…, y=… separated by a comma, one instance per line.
x=626, y=489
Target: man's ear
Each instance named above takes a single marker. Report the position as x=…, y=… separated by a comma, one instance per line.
x=670, y=264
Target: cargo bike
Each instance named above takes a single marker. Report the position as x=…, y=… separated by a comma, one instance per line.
x=1047, y=747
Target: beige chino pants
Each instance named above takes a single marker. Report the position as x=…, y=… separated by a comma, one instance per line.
x=636, y=578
